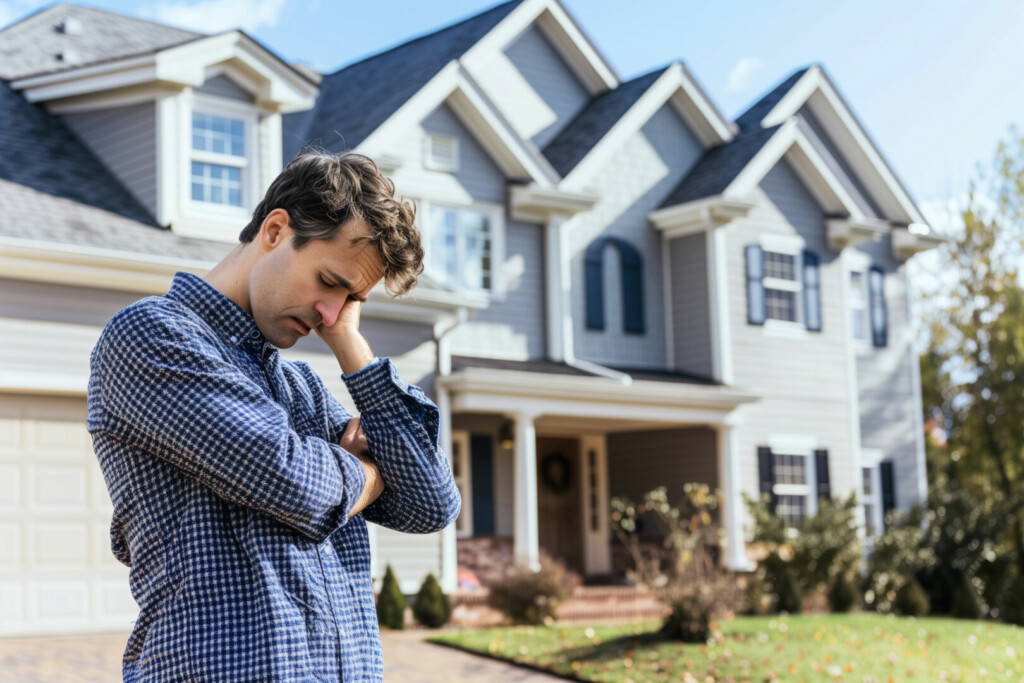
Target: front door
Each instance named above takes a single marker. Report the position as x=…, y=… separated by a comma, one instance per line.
x=558, y=499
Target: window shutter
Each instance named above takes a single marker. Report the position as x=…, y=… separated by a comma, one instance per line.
x=593, y=285
x=812, y=292
x=482, y=475
x=766, y=474
x=879, y=314
x=821, y=475
x=632, y=288
x=755, y=284
x=888, y=476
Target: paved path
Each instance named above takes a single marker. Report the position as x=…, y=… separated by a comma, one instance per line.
x=97, y=658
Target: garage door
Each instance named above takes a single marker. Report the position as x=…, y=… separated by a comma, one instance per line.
x=57, y=573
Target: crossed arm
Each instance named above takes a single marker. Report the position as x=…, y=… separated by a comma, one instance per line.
x=167, y=387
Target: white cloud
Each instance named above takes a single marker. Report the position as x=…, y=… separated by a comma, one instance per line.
x=739, y=75
x=212, y=16
x=12, y=10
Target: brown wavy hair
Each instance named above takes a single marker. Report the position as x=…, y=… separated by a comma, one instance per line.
x=322, y=190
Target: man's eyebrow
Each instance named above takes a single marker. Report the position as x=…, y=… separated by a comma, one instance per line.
x=345, y=283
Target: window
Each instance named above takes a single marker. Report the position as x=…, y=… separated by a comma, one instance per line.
x=791, y=486
x=781, y=286
x=442, y=153
x=869, y=500
x=858, y=306
x=460, y=252
x=792, y=509
x=219, y=160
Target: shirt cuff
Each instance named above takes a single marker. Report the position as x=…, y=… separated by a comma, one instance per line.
x=375, y=384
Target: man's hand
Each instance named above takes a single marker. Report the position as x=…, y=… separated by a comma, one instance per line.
x=345, y=340
x=354, y=441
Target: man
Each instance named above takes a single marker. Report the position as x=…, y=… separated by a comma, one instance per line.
x=241, y=487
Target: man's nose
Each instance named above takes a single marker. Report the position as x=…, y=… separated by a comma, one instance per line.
x=329, y=310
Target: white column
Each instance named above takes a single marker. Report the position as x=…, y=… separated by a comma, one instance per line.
x=526, y=543
x=558, y=288
x=449, y=552
x=729, y=482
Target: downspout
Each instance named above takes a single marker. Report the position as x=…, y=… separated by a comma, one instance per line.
x=443, y=361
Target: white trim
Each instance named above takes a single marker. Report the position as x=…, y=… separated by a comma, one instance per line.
x=434, y=163
x=596, y=542
x=666, y=301
x=674, y=80
x=784, y=329
x=699, y=215
x=782, y=244
x=716, y=243
x=464, y=525
x=793, y=444
x=534, y=203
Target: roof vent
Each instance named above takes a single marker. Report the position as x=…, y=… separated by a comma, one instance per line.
x=70, y=26
x=67, y=56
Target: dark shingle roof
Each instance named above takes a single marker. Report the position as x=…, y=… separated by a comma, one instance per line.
x=358, y=98
x=592, y=122
x=33, y=45
x=751, y=118
x=720, y=165
x=53, y=189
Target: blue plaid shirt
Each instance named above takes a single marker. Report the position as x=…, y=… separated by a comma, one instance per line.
x=231, y=495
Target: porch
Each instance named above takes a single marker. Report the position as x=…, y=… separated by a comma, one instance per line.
x=540, y=447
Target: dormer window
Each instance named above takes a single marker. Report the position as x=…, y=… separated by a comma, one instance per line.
x=218, y=158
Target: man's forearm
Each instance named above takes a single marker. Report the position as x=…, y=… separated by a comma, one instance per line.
x=352, y=351
x=373, y=488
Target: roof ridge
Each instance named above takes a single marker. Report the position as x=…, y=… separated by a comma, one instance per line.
x=770, y=97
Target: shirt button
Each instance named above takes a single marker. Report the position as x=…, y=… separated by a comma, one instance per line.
x=234, y=339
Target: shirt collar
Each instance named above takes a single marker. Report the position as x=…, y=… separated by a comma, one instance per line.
x=226, y=317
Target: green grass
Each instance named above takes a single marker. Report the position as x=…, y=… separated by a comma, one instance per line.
x=855, y=647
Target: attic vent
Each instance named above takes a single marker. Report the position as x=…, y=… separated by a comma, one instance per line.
x=67, y=56
x=70, y=26
x=442, y=153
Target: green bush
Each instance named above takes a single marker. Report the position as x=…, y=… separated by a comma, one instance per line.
x=1012, y=610
x=911, y=600
x=788, y=591
x=758, y=598
x=531, y=597
x=390, y=602
x=431, y=606
x=842, y=594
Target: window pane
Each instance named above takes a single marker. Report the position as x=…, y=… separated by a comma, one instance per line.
x=780, y=304
x=779, y=265
x=791, y=508
x=790, y=469
x=218, y=134
x=216, y=184
x=460, y=241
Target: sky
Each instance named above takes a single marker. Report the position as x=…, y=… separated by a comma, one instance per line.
x=936, y=83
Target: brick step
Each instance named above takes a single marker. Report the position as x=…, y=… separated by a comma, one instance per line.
x=588, y=603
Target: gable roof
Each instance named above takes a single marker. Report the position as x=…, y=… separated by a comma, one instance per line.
x=720, y=165
x=34, y=45
x=594, y=120
x=355, y=100
x=54, y=190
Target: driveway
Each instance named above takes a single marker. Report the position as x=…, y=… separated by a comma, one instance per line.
x=407, y=659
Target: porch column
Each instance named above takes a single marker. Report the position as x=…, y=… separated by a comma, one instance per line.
x=729, y=477
x=526, y=541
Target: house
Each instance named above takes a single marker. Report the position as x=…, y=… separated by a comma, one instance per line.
x=624, y=289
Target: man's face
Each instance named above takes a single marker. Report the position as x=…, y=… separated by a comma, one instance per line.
x=291, y=292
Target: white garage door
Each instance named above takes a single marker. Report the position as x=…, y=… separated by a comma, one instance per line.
x=57, y=573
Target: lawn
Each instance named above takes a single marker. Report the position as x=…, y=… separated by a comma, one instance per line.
x=856, y=647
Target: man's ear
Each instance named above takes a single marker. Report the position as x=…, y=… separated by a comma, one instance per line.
x=275, y=229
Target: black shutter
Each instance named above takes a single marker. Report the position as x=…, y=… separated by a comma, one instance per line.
x=766, y=474
x=812, y=292
x=821, y=475
x=593, y=285
x=632, y=288
x=888, y=476
x=481, y=453
x=879, y=313
x=755, y=284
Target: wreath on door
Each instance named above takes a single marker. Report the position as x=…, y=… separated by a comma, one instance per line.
x=556, y=472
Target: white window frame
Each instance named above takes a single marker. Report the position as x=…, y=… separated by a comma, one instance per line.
x=859, y=262
x=872, y=457
x=798, y=445
x=464, y=522
x=213, y=105
x=791, y=245
x=496, y=217
x=429, y=160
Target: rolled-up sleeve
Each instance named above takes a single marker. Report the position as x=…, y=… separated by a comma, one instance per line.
x=402, y=427
x=168, y=387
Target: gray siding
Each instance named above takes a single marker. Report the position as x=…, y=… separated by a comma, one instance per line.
x=124, y=139
x=886, y=387
x=691, y=314
x=634, y=183
x=805, y=381
x=477, y=174
x=48, y=302
x=552, y=79
x=222, y=86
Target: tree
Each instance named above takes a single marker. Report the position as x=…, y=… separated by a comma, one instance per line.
x=391, y=602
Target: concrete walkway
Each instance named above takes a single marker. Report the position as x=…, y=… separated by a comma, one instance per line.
x=407, y=659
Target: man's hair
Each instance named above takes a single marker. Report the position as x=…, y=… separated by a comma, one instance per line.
x=322, y=190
